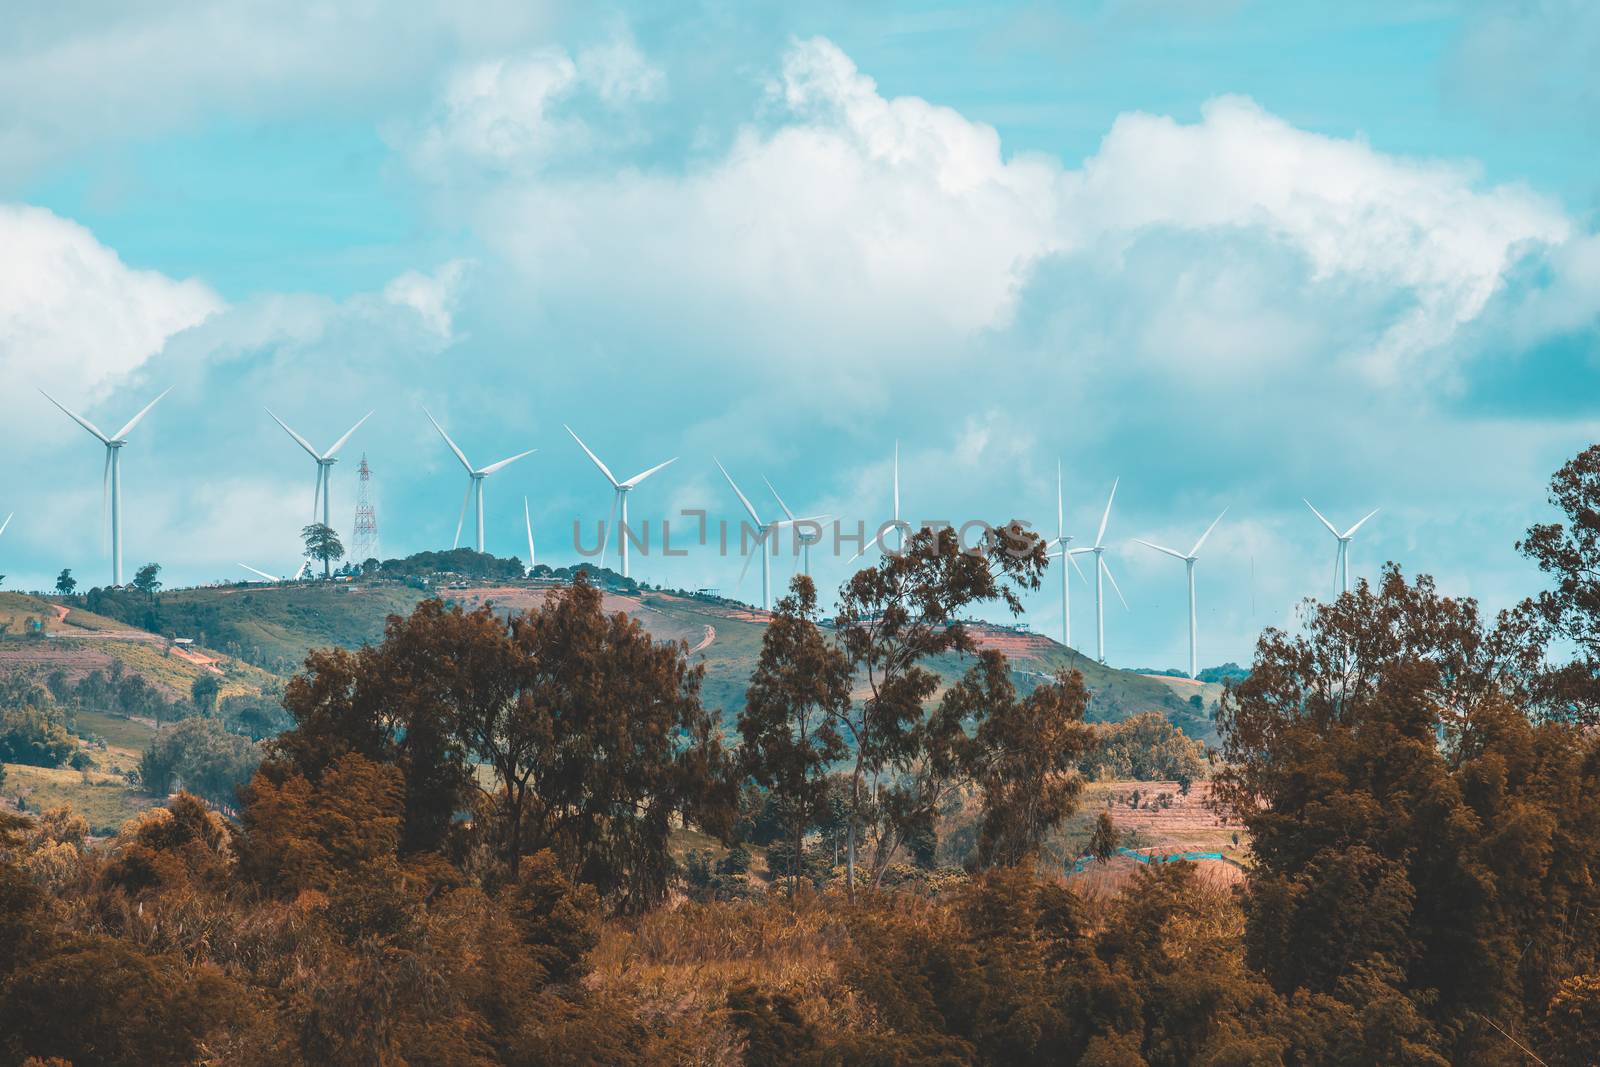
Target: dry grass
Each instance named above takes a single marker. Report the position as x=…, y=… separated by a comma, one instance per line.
x=104, y=799
x=685, y=958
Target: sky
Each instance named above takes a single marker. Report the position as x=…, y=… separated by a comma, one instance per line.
x=1234, y=254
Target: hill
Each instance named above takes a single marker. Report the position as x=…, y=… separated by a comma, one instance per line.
x=273, y=627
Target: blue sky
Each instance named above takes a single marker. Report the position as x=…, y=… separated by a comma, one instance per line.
x=1235, y=254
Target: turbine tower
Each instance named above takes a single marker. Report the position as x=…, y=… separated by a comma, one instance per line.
x=325, y=462
x=111, y=479
x=475, y=479
x=1060, y=551
x=1341, y=559
x=1102, y=572
x=620, y=501
x=768, y=529
x=806, y=540
x=1188, y=561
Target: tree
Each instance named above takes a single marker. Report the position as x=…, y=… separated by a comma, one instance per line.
x=1105, y=839
x=204, y=692
x=892, y=617
x=593, y=733
x=790, y=722
x=65, y=582
x=205, y=758
x=146, y=579
x=1570, y=554
x=1023, y=755
x=1418, y=841
x=322, y=543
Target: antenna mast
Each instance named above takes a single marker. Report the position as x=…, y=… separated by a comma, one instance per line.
x=364, y=544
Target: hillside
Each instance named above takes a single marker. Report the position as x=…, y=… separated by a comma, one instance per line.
x=273, y=627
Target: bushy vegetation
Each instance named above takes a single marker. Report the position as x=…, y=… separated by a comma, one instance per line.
x=461, y=853
x=1146, y=748
x=202, y=757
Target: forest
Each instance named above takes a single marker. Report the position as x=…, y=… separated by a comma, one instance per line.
x=466, y=848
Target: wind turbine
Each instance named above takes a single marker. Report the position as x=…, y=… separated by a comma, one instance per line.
x=475, y=479
x=325, y=462
x=1060, y=546
x=1341, y=559
x=805, y=540
x=262, y=573
x=620, y=502
x=877, y=538
x=1188, y=561
x=111, y=479
x=1102, y=572
x=768, y=529
x=528, y=522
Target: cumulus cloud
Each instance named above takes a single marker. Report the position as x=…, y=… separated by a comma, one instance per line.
x=850, y=221
x=73, y=316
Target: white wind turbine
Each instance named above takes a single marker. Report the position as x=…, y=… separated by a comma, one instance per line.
x=877, y=537
x=620, y=501
x=528, y=522
x=253, y=570
x=1341, y=559
x=325, y=462
x=806, y=540
x=1188, y=561
x=111, y=479
x=768, y=532
x=1059, y=549
x=475, y=479
x=1102, y=572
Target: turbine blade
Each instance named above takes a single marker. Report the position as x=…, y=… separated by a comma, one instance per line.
x=1105, y=518
x=303, y=442
x=316, y=493
x=876, y=538
x=329, y=454
x=3, y=525
x=1072, y=558
x=1323, y=519
x=456, y=543
x=603, y=468
x=462, y=456
x=637, y=478
x=75, y=417
x=263, y=574
x=739, y=493
x=1107, y=568
x=778, y=498
x=1150, y=544
x=1352, y=531
x=126, y=430
x=528, y=521
x=1195, y=551
x=611, y=522
x=491, y=468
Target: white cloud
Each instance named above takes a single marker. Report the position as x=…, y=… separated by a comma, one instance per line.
x=513, y=113
x=852, y=222
x=73, y=316
x=431, y=296
x=172, y=65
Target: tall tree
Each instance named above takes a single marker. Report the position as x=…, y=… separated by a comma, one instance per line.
x=65, y=582
x=322, y=543
x=892, y=618
x=1416, y=837
x=147, y=579
x=1570, y=553
x=790, y=723
x=594, y=734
